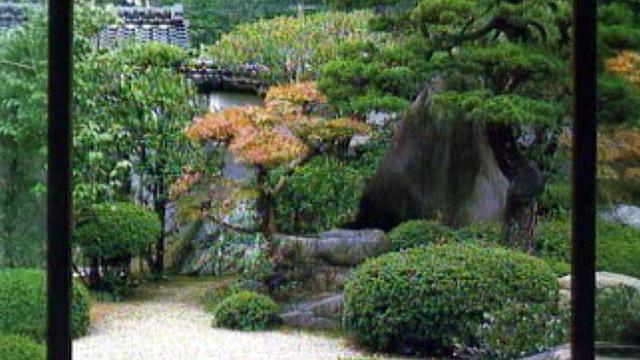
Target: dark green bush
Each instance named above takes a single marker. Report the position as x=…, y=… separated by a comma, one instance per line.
x=23, y=304
x=420, y=232
x=617, y=246
x=618, y=101
x=427, y=232
x=116, y=231
x=14, y=347
x=518, y=330
x=618, y=315
x=430, y=299
x=247, y=311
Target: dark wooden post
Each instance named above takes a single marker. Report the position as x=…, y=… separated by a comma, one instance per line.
x=59, y=181
x=584, y=180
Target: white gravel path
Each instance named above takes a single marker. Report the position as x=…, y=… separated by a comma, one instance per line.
x=170, y=330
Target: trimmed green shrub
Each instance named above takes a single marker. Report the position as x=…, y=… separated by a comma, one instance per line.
x=23, y=304
x=420, y=232
x=427, y=232
x=518, y=330
x=14, y=347
x=430, y=299
x=618, y=315
x=116, y=231
x=247, y=311
x=617, y=246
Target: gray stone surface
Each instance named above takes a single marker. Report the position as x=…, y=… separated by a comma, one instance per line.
x=605, y=279
x=560, y=353
x=336, y=247
x=624, y=215
x=319, y=314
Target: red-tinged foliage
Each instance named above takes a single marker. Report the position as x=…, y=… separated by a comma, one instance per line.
x=626, y=64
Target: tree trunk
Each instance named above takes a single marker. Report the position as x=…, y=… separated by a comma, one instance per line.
x=521, y=219
x=94, y=273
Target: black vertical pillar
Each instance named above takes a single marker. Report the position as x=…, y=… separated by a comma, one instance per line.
x=584, y=184
x=59, y=181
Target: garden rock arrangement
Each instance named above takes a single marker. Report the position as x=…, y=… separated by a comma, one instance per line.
x=12, y=14
x=605, y=279
x=624, y=215
x=323, y=313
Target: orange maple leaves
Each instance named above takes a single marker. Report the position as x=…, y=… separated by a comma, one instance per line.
x=276, y=133
x=626, y=64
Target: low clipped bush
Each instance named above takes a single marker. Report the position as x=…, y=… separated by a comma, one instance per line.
x=427, y=232
x=116, y=231
x=618, y=315
x=419, y=232
x=14, y=347
x=617, y=246
x=429, y=300
x=518, y=330
x=247, y=311
x=23, y=304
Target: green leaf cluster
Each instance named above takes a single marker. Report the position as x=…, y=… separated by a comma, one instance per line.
x=14, y=347
x=246, y=311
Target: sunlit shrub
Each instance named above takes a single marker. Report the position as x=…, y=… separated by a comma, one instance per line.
x=23, y=304
x=431, y=299
x=247, y=311
x=14, y=347
x=428, y=232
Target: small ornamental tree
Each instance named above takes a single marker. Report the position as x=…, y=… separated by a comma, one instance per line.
x=285, y=133
x=501, y=67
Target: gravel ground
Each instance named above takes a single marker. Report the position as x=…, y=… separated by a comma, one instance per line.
x=169, y=329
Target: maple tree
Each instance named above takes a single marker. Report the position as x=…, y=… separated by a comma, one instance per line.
x=284, y=133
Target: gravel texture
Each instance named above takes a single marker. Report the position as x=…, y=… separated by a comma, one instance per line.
x=170, y=329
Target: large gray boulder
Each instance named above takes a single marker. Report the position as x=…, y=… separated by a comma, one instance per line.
x=623, y=215
x=605, y=279
x=323, y=313
x=336, y=247
x=560, y=353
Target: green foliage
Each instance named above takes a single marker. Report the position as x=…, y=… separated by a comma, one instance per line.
x=430, y=299
x=428, y=232
x=374, y=75
x=518, y=330
x=13, y=347
x=210, y=19
x=292, y=48
x=319, y=195
x=116, y=231
x=618, y=101
x=23, y=304
x=618, y=315
x=555, y=201
x=617, y=246
x=420, y=232
x=246, y=311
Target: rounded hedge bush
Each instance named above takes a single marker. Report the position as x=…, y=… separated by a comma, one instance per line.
x=617, y=246
x=247, y=311
x=428, y=299
x=428, y=232
x=116, y=231
x=518, y=330
x=23, y=304
x=14, y=347
x=419, y=232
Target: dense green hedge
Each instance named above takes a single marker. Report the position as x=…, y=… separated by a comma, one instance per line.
x=428, y=232
x=618, y=315
x=23, y=304
x=431, y=299
x=116, y=231
x=518, y=330
x=14, y=347
x=617, y=246
x=247, y=311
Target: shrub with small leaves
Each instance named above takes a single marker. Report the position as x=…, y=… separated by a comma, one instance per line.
x=518, y=330
x=420, y=232
x=618, y=315
x=23, y=304
x=247, y=311
x=14, y=347
x=431, y=299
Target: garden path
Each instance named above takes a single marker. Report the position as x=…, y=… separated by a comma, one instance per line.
x=167, y=323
